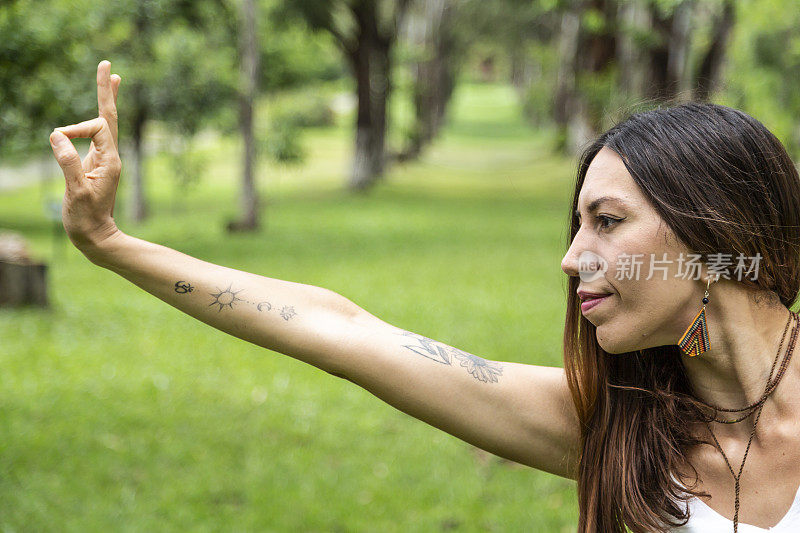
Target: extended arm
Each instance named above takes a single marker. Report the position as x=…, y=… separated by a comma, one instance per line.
x=517, y=411
x=302, y=321
x=521, y=412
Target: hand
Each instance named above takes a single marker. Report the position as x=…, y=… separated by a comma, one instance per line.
x=91, y=184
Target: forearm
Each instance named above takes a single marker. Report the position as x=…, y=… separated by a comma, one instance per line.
x=302, y=321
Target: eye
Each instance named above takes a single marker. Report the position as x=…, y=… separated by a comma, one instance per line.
x=607, y=222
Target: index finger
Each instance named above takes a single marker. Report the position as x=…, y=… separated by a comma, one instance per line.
x=106, y=103
x=97, y=129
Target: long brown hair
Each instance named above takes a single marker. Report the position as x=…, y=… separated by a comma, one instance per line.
x=723, y=184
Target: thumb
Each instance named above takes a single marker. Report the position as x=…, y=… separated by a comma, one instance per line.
x=67, y=157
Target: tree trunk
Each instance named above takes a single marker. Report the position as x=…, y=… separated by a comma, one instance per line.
x=138, y=202
x=679, y=45
x=633, y=17
x=567, y=61
x=709, y=74
x=371, y=66
x=520, y=69
x=669, y=57
x=248, y=71
x=582, y=53
x=139, y=116
x=433, y=73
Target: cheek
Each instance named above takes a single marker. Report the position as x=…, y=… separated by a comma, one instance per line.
x=645, y=315
x=656, y=302
x=641, y=305
x=648, y=311
x=646, y=263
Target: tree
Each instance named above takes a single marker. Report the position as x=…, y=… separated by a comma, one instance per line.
x=669, y=52
x=139, y=42
x=765, y=54
x=43, y=67
x=248, y=88
x=173, y=71
x=615, y=53
x=709, y=73
x=365, y=31
x=435, y=32
x=587, y=49
x=665, y=33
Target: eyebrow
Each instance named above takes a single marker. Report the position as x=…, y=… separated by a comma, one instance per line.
x=596, y=203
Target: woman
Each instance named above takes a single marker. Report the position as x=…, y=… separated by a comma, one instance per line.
x=631, y=416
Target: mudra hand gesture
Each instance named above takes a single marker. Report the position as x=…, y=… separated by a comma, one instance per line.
x=91, y=184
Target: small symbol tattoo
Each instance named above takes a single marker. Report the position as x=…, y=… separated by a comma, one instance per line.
x=287, y=312
x=264, y=306
x=225, y=298
x=183, y=287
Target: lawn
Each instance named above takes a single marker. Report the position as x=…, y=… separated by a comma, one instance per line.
x=119, y=413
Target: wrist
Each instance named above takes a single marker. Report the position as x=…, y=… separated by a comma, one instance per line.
x=99, y=247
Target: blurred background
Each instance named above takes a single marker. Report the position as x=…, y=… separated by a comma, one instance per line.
x=415, y=156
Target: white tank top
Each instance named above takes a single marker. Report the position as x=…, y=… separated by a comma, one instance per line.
x=704, y=519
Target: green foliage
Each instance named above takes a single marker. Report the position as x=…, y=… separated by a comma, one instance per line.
x=537, y=101
x=665, y=8
x=179, y=58
x=594, y=21
x=291, y=56
x=194, y=79
x=282, y=142
x=765, y=66
x=602, y=95
x=289, y=112
x=36, y=53
x=188, y=164
x=303, y=110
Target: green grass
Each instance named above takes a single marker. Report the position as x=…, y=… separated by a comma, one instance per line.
x=119, y=413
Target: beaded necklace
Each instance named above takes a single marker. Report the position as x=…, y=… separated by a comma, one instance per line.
x=755, y=407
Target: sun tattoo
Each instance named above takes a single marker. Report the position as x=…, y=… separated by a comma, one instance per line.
x=225, y=298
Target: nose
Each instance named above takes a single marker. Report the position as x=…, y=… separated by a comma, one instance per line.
x=571, y=263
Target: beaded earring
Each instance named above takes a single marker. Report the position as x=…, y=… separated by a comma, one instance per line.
x=695, y=339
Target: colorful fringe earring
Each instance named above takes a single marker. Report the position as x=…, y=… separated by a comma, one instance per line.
x=695, y=339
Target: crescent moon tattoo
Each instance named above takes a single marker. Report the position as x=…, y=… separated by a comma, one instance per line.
x=266, y=305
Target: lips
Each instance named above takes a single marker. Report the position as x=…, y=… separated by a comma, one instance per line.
x=593, y=302
x=586, y=295
x=590, y=300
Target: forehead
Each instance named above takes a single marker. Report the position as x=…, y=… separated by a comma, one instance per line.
x=608, y=177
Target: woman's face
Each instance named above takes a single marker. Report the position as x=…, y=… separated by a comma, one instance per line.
x=620, y=228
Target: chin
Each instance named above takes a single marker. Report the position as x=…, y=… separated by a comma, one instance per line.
x=614, y=344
